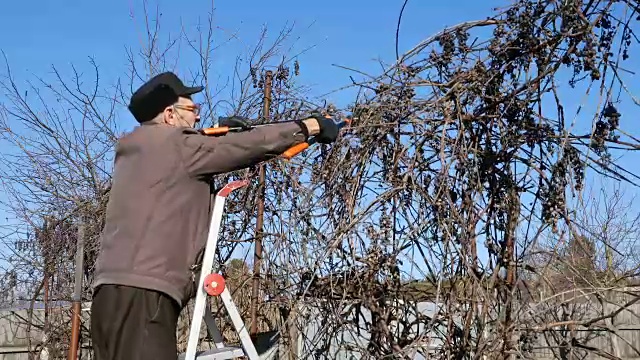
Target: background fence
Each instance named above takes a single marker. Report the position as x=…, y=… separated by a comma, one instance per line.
x=617, y=337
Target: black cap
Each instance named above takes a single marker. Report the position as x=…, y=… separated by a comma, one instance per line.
x=159, y=92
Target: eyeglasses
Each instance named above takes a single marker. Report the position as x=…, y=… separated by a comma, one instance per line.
x=195, y=108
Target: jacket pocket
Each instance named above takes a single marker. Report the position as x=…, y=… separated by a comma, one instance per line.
x=191, y=288
x=194, y=275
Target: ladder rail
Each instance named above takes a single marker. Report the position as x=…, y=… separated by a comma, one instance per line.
x=201, y=310
x=207, y=266
x=238, y=324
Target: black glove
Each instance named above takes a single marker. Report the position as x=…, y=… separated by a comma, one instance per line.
x=328, y=129
x=234, y=122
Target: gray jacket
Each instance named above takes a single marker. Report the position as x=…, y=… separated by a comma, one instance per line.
x=158, y=212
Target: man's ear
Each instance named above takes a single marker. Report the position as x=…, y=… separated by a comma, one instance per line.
x=167, y=115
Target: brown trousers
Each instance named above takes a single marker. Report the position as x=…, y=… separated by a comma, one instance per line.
x=133, y=323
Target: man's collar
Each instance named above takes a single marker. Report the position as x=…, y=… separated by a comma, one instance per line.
x=150, y=123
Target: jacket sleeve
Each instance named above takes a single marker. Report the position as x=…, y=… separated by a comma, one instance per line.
x=210, y=155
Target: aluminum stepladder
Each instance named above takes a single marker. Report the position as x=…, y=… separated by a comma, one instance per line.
x=212, y=284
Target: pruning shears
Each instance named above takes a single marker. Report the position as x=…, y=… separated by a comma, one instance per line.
x=237, y=124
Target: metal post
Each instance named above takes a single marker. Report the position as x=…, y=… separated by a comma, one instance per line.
x=77, y=296
x=257, y=258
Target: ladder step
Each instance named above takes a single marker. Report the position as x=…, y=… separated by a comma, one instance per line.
x=227, y=352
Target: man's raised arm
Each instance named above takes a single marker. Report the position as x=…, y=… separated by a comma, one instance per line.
x=208, y=155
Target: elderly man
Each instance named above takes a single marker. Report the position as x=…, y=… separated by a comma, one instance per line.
x=158, y=214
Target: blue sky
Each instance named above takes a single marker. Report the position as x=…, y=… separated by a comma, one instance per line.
x=351, y=33
x=355, y=33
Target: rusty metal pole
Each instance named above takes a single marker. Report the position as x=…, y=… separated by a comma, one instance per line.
x=510, y=280
x=257, y=256
x=77, y=296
